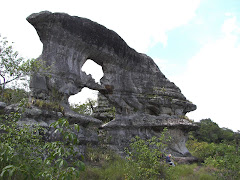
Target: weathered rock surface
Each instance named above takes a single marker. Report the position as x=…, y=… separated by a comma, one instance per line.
x=104, y=110
x=33, y=115
x=142, y=96
x=2, y=105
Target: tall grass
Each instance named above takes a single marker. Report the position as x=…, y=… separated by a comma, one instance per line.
x=111, y=170
x=190, y=172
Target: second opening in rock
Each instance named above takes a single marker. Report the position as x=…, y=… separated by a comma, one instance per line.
x=89, y=67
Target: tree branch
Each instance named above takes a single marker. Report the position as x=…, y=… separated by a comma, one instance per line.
x=11, y=79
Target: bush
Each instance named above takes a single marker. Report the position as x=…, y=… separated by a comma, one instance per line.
x=144, y=160
x=223, y=157
x=12, y=96
x=226, y=160
x=103, y=163
x=25, y=155
x=201, y=150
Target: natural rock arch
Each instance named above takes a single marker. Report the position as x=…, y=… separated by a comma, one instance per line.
x=132, y=82
x=93, y=69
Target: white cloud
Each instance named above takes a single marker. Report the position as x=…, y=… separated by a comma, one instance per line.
x=165, y=66
x=212, y=79
x=230, y=26
x=140, y=23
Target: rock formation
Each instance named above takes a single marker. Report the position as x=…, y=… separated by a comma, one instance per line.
x=144, y=99
x=32, y=115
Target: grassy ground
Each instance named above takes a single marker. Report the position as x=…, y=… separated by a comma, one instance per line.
x=104, y=164
x=191, y=171
x=115, y=171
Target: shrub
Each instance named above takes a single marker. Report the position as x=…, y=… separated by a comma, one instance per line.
x=145, y=157
x=223, y=157
x=226, y=160
x=12, y=96
x=25, y=155
x=201, y=150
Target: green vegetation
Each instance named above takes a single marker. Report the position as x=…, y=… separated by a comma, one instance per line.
x=26, y=155
x=189, y=172
x=89, y=107
x=49, y=105
x=224, y=158
x=12, y=96
x=145, y=160
x=145, y=157
x=210, y=132
x=85, y=108
x=13, y=67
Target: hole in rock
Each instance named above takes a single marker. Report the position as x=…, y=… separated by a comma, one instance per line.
x=83, y=96
x=89, y=67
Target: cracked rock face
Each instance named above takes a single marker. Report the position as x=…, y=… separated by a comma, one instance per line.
x=132, y=82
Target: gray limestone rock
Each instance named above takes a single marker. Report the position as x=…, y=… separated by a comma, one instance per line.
x=33, y=115
x=2, y=105
x=132, y=82
x=142, y=96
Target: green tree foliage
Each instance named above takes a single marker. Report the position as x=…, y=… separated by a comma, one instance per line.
x=12, y=96
x=201, y=150
x=144, y=156
x=13, y=67
x=216, y=147
x=226, y=135
x=86, y=108
x=222, y=156
x=210, y=132
x=226, y=160
x=25, y=155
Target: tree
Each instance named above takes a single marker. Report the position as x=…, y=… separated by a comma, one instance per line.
x=209, y=131
x=86, y=108
x=226, y=135
x=12, y=67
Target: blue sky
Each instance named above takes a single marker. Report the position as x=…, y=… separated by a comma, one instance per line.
x=196, y=43
x=186, y=40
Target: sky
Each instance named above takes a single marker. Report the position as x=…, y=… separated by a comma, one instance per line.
x=195, y=43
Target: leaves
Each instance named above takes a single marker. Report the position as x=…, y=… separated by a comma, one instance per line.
x=145, y=156
x=210, y=132
x=85, y=108
x=24, y=154
x=222, y=156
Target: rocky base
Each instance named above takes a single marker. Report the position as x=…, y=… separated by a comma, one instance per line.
x=33, y=115
x=117, y=133
x=121, y=130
